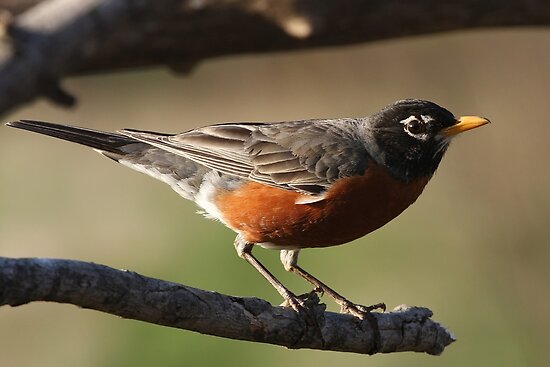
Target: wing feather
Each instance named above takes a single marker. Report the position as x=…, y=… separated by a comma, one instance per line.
x=305, y=156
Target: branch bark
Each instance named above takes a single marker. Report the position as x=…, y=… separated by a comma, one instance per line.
x=130, y=295
x=46, y=40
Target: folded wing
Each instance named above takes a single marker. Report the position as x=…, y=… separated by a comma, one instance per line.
x=304, y=156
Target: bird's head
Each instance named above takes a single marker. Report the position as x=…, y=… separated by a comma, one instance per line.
x=412, y=136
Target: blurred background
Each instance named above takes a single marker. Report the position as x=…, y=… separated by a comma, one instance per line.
x=474, y=248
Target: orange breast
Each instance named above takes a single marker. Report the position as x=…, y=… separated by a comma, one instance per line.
x=353, y=207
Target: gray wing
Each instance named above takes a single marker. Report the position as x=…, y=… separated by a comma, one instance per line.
x=305, y=156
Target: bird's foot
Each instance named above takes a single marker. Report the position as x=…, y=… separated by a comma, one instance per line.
x=360, y=311
x=308, y=307
x=319, y=290
x=310, y=311
x=295, y=303
x=302, y=303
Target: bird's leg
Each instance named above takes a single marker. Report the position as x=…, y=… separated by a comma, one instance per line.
x=289, y=258
x=244, y=250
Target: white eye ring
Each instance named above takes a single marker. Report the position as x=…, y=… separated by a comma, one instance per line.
x=412, y=125
x=416, y=128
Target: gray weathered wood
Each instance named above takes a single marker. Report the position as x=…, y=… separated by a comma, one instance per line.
x=46, y=40
x=134, y=296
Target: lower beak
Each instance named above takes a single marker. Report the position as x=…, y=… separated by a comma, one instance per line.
x=464, y=123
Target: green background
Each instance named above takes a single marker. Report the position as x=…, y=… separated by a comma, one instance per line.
x=474, y=248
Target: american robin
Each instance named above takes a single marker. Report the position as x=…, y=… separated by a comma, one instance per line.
x=291, y=185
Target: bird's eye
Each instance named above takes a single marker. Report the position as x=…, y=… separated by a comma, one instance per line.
x=414, y=127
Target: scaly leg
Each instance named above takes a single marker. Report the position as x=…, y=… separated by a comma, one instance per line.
x=289, y=258
x=244, y=250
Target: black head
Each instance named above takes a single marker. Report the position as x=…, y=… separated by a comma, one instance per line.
x=411, y=136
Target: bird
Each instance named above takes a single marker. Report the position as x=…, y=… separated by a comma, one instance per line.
x=291, y=185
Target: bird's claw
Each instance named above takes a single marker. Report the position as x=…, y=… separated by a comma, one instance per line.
x=319, y=290
x=361, y=311
x=306, y=305
x=295, y=303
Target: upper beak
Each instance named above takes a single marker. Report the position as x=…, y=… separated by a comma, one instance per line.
x=464, y=123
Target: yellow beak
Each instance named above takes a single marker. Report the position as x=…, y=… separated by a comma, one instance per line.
x=464, y=123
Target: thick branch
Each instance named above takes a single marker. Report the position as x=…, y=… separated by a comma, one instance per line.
x=134, y=296
x=55, y=38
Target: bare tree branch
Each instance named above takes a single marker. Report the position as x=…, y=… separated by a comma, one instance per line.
x=46, y=40
x=134, y=296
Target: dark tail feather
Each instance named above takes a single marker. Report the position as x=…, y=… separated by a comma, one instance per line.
x=108, y=142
